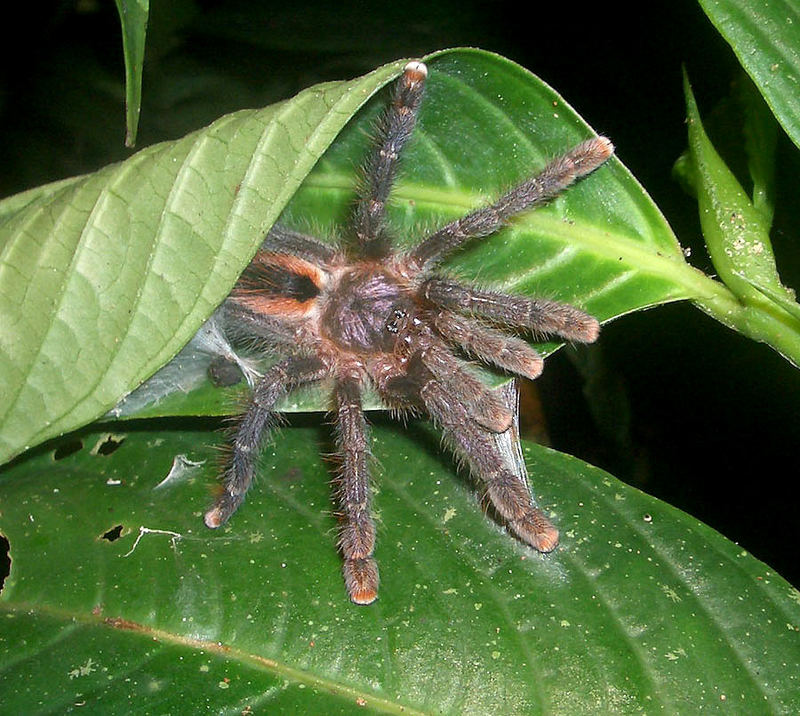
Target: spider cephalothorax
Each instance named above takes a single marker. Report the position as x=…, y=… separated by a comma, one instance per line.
x=362, y=314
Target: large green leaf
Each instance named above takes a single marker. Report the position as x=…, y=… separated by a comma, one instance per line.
x=103, y=278
x=485, y=124
x=119, y=599
x=766, y=39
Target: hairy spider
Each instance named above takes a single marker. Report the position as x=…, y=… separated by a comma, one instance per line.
x=361, y=313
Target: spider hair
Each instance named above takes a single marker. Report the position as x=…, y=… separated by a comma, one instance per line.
x=362, y=313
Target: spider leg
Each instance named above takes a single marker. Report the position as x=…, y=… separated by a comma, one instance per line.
x=357, y=534
x=278, y=380
x=392, y=134
x=535, y=314
x=242, y=322
x=489, y=345
x=287, y=241
x=508, y=492
x=549, y=183
x=483, y=406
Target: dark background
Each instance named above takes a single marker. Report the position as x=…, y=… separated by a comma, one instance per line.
x=679, y=406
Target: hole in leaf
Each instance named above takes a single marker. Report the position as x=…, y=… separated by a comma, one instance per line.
x=66, y=449
x=113, y=534
x=5, y=561
x=108, y=444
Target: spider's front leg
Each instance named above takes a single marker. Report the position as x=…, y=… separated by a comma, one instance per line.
x=380, y=171
x=539, y=189
x=507, y=491
x=484, y=406
x=357, y=533
x=278, y=380
x=284, y=240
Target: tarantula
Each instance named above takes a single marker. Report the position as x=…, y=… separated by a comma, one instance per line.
x=361, y=313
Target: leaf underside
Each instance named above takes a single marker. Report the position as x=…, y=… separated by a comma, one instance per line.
x=105, y=277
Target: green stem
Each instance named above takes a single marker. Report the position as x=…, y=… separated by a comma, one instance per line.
x=766, y=324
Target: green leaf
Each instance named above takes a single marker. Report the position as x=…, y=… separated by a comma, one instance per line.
x=736, y=233
x=766, y=39
x=103, y=278
x=485, y=124
x=133, y=16
x=761, y=139
x=746, y=133
x=737, y=237
x=119, y=595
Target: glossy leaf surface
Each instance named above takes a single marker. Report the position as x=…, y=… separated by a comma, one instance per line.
x=119, y=596
x=104, y=277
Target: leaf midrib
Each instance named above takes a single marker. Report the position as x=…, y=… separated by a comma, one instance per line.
x=593, y=238
x=225, y=651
